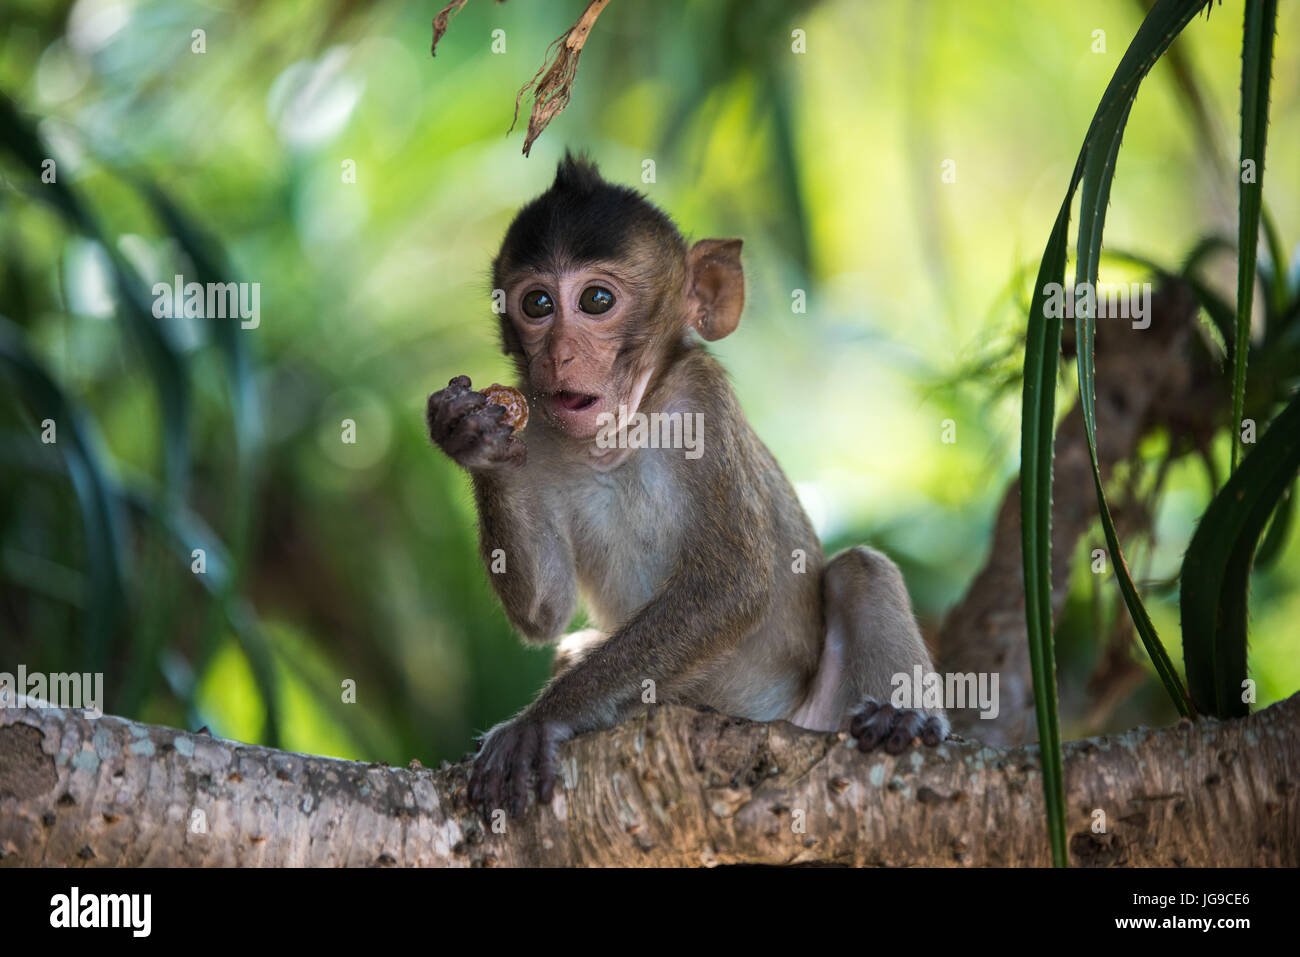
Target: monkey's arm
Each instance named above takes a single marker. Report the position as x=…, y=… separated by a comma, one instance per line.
x=707, y=606
x=528, y=558
x=696, y=617
x=529, y=561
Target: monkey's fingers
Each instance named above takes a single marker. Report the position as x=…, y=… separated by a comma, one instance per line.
x=548, y=762
x=474, y=429
x=487, y=775
x=477, y=781
x=483, y=439
x=495, y=784
x=475, y=785
x=437, y=414
x=456, y=387
x=448, y=409
x=522, y=767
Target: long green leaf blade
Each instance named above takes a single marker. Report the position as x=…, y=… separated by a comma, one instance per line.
x=1042, y=349
x=1216, y=568
x=1256, y=71
x=1099, y=173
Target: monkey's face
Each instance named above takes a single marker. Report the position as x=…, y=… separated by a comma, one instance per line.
x=600, y=288
x=576, y=327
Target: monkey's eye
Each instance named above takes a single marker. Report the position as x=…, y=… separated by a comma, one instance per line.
x=595, y=300
x=538, y=303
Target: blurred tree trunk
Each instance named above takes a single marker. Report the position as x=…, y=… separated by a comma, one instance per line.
x=673, y=787
x=1147, y=379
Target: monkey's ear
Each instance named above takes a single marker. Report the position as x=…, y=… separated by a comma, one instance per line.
x=715, y=287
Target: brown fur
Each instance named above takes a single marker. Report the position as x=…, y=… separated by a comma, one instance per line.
x=685, y=565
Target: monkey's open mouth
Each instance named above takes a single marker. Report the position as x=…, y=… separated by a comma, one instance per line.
x=574, y=401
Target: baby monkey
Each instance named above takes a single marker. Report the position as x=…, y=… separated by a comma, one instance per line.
x=698, y=567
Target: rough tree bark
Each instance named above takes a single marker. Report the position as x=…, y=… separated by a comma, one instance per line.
x=674, y=787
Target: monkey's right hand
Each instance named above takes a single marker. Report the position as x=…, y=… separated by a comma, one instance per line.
x=470, y=429
x=509, y=757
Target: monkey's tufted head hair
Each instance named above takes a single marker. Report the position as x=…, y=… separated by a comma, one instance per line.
x=582, y=218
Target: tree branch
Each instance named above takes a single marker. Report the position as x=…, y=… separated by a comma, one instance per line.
x=672, y=787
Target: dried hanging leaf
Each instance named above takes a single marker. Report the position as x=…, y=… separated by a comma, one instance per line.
x=551, y=84
x=441, y=20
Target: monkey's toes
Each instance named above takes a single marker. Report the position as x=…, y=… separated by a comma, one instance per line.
x=907, y=726
x=873, y=724
x=934, y=731
x=896, y=728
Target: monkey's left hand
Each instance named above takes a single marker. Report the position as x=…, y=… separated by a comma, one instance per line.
x=509, y=755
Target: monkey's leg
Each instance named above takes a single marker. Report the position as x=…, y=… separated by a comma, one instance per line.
x=871, y=636
x=573, y=648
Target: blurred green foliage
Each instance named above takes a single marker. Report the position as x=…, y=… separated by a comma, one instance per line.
x=329, y=561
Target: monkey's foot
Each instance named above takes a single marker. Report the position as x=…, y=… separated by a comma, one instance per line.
x=511, y=753
x=896, y=728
